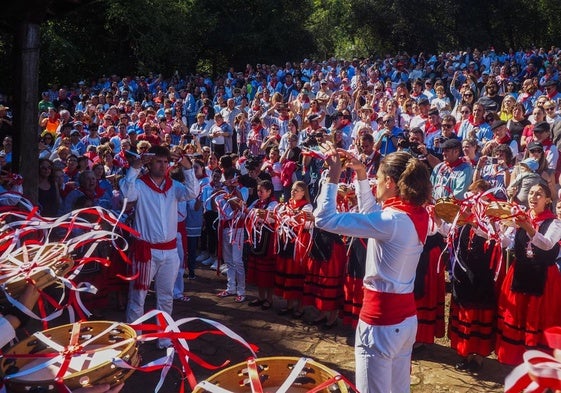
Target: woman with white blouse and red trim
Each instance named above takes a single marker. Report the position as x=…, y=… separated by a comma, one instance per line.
x=396, y=231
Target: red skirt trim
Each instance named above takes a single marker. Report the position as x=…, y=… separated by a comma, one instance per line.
x=522, y=318
x=430, y=308
x=472, y=330
x=353, y=293
x=261, y=270
x=323, y=283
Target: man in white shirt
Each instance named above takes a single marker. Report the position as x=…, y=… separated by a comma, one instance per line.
x=156, y=258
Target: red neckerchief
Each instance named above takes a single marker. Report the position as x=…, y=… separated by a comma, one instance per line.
x=263, y=204
x=430, y=128
x=70, y=174
x=547, y=143
x=504, y=140
x=471, y=120
x=297, y=205
x=551, y=95
x=454, y=164
x=150, y=183
x=545, y=215
x=91, y=155
x=417, y=214
x=98, y=192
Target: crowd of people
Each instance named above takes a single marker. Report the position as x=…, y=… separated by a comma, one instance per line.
x=226, y=173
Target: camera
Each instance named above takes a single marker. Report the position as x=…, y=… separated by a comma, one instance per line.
x=403, y=143
x=494, y=161
x=310, y=141
x=252, y=162
x=414, y=148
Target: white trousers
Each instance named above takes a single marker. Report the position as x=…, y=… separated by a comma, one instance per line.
x=232, y=254
x=383, y=356
x=163, y=270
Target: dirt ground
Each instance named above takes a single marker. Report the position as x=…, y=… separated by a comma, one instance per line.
x=432, y=370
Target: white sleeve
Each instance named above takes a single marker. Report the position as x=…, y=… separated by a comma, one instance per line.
x=191, y=184
x=128, y=186
x=549, y=238
x=376, y=225
x=7, y=332
x=365, y=199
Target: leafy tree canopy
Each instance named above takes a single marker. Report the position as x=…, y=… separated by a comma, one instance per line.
x=80, y=41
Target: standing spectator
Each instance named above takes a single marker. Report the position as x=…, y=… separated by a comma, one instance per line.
x=385, y=139
x=88, y=188
x=49, y=197
x=7, y=146
x=452, y=177
x=221, y=134
x=476, y=126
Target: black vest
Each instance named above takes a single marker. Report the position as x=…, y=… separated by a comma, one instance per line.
x=530, y=272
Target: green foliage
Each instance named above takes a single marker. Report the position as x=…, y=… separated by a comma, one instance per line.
x=125, y=37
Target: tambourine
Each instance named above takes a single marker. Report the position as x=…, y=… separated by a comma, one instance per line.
x=448, y=208
x=35, y=363
x=40, y=263
x=298, y=375
x=502, y=211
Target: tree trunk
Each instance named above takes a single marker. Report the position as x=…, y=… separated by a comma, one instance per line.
x=26, y=151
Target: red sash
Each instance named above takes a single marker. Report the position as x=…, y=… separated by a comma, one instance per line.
x=142, y=257
x=382, y=308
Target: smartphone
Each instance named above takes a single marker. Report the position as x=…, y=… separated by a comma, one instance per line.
x=494, y=161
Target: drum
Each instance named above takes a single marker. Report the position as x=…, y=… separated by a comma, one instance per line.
x=95, y=344
x=33, y=261
x=448, y=208
x=273, y=372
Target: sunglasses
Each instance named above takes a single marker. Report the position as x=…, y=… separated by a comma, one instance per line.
x=464, y=112
x=468, y=95
x=536, y=151
x=549, y=109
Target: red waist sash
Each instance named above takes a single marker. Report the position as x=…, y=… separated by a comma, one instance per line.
x=382, y=308
x=142, y=257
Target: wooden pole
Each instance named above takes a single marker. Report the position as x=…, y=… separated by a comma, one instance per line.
x=26, y=138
